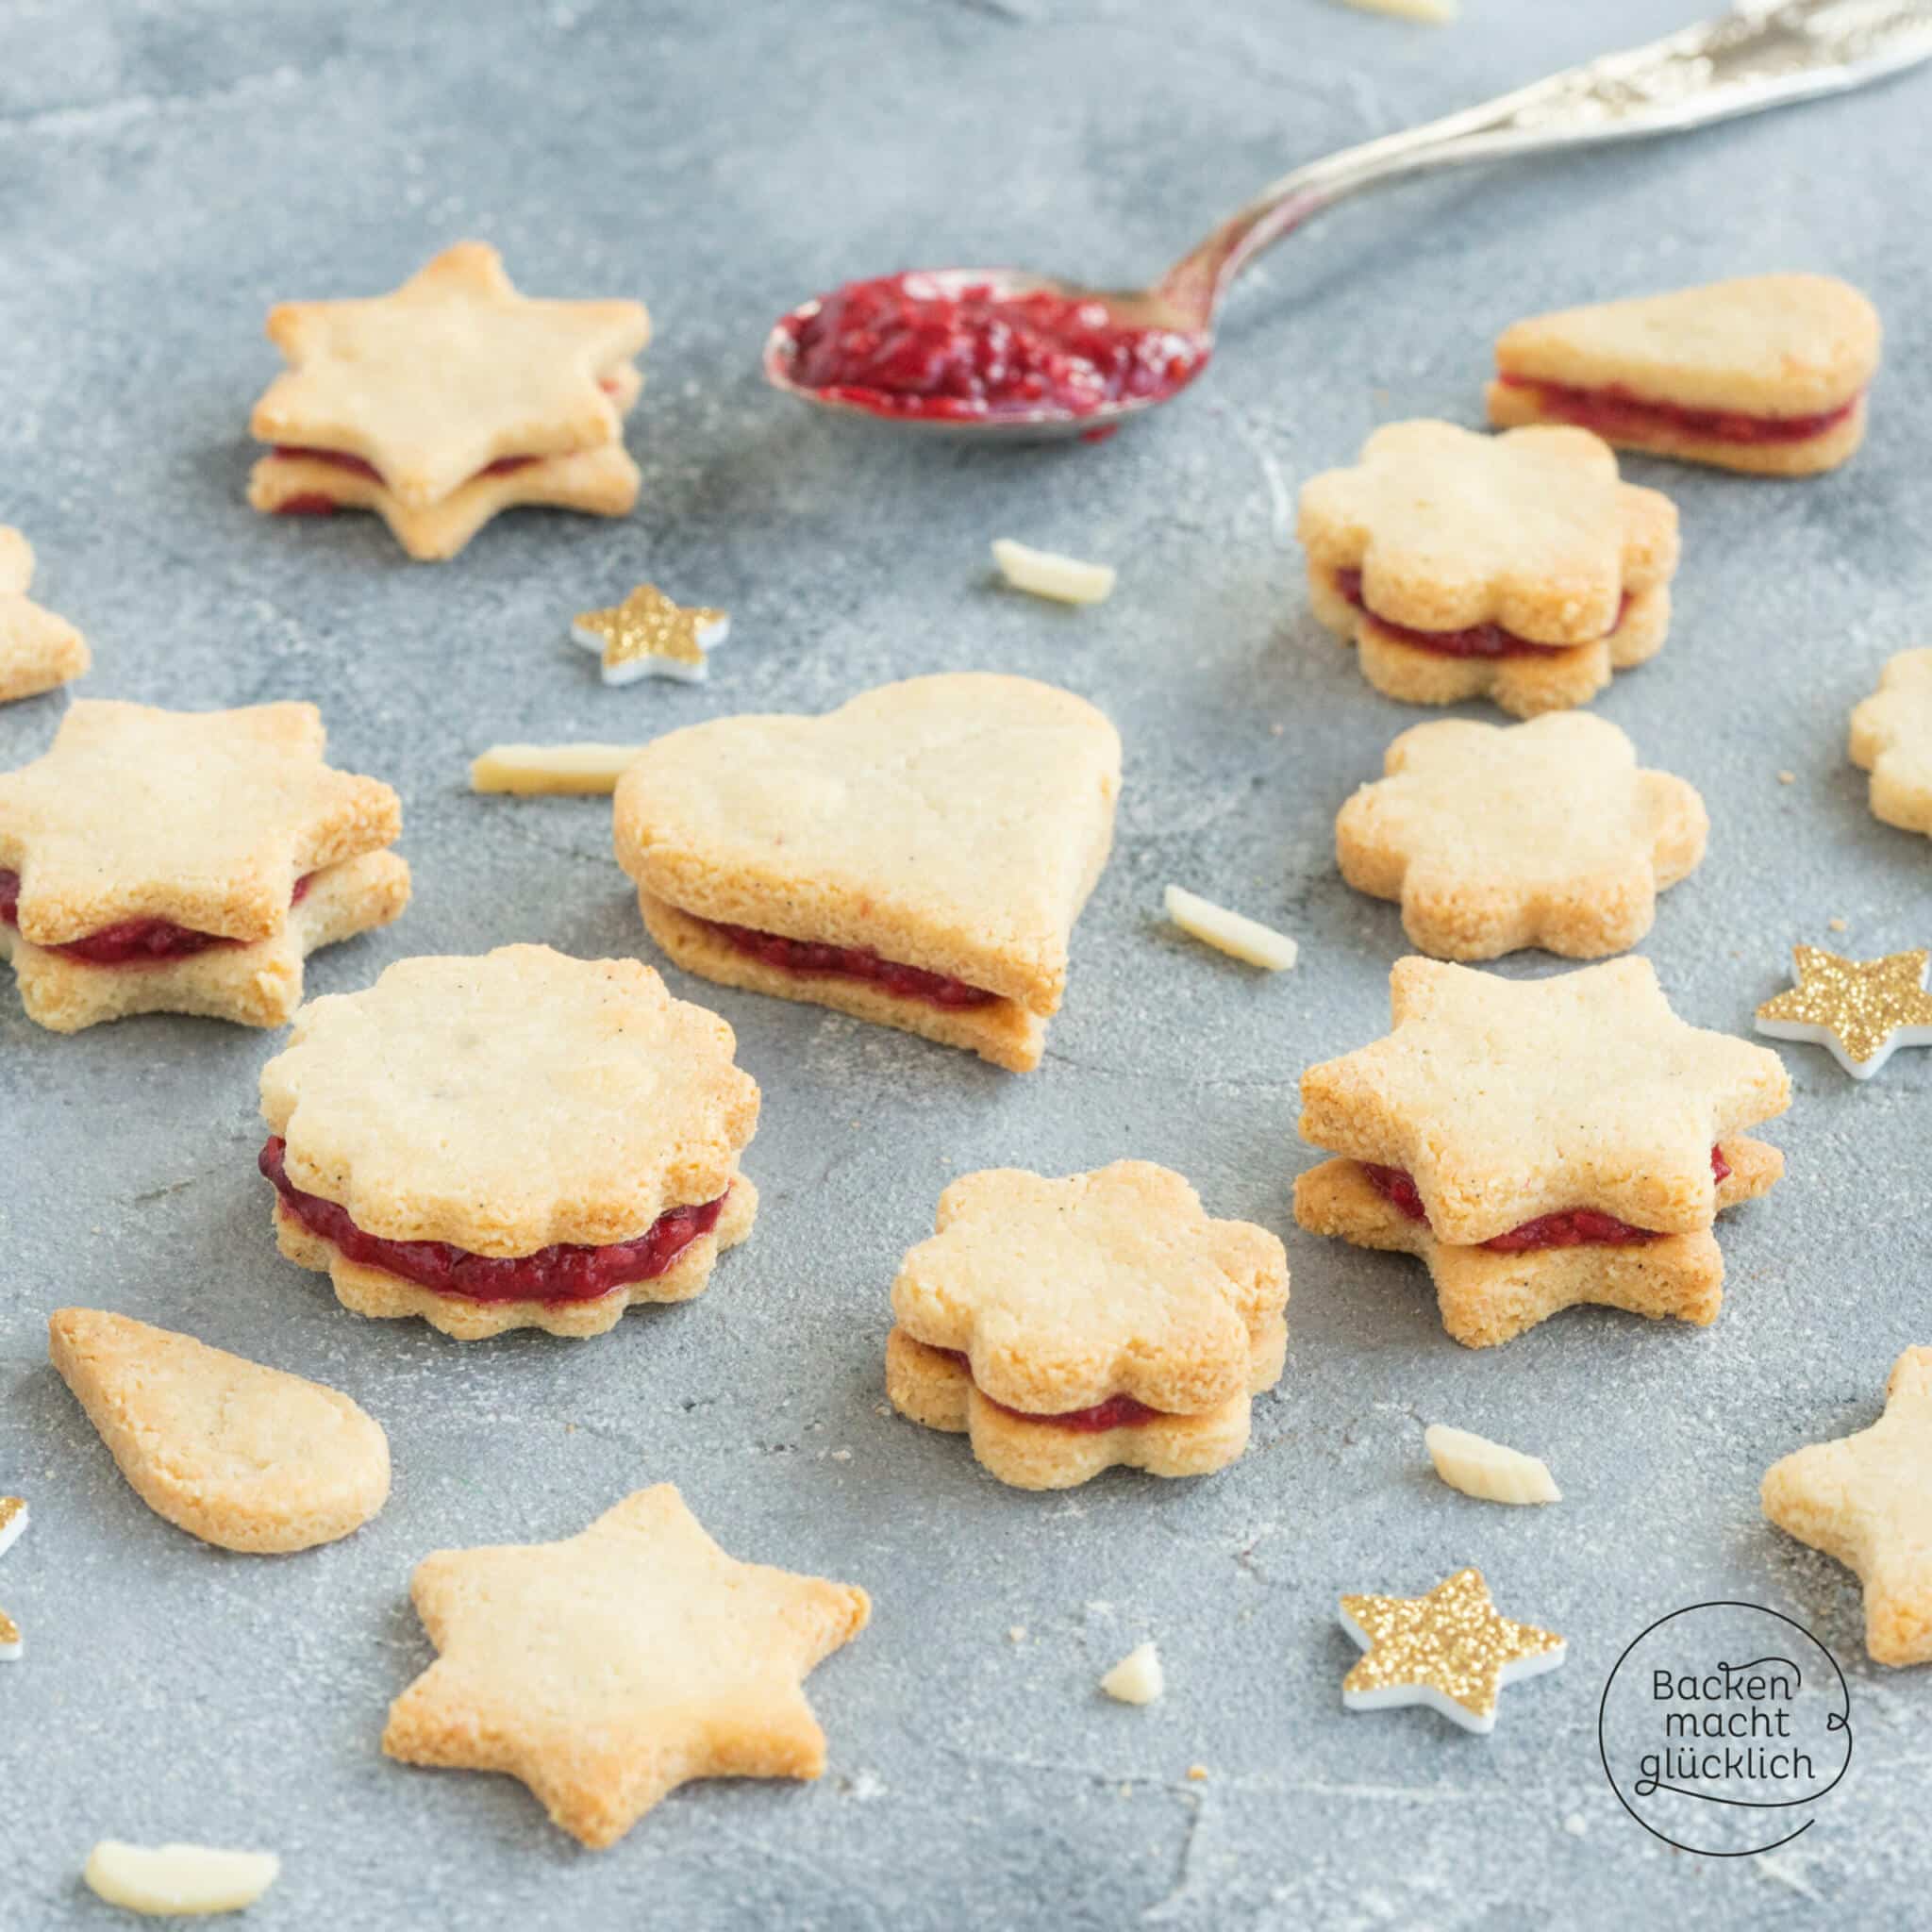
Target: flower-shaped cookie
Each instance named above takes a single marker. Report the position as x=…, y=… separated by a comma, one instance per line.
x=1867, y=1500
x=1069, y=1325
x=1517, y=567
x=1891, y=738
x=1498, y=837
x=448, y=400
x=608, y=1669
x=187, y=861
x=38, y=650
x=517, y=1140
x=1766, y=373
x=916, y=858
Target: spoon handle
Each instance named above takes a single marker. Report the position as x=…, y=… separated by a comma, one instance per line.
x=1756, y=57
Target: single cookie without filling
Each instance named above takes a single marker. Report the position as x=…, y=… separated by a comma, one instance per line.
x=1891, y=738
x=37, y=651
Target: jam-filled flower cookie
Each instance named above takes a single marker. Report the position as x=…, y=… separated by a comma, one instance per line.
x=1767, y=374
x=1538, y=1143
x=1517, y=568
x=1067, y=1326
x=37, y=651
x=1891, y=738
x=916, y=858
x=607, y=1670
x=1498, y=837
x=187, y=862
x=449, y=400
x=519, y=1140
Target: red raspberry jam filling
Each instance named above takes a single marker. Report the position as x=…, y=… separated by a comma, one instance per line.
x=1479, y=641
x=809, y=959
x=1615, y=411
x=564, y=1272
x=1116, y=1412
x=909, y=345
x=131, y=941
x=1575, y=1227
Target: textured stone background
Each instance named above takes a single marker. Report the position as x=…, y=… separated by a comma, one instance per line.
x=166, y=172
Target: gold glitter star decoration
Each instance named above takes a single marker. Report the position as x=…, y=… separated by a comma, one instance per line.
x=1862, y=1009
x=1449, y=1650
x=12, y=1520
x=649, y=636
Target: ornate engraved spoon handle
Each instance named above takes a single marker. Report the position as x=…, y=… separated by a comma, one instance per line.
x=1760, y=56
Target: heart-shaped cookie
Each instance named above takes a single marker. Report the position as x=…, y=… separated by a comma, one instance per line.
x=916, y=858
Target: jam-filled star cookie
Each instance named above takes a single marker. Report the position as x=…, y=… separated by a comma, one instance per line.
x=1538, y=1143
x=37, y=651
x=1867, y=1500
x=519, y=1140
x=446, y=401
x=1891, y=738
x=1517, y=568
x=1546, y=834
x=1067, y=1326
x=1767, y=374
x=916, y=858
x=607, y=1670
x=187, y=862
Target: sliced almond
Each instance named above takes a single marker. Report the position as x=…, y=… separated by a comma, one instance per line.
x=1228, y=932
x=537, y=770
x=1487, y=1469
x=1046, y=573
x=1430, y=12
x=162, y=1879
x=1138, y=1678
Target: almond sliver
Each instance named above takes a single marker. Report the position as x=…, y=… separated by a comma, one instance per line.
x=1045, y=573
x=1227, y=932
x=537, y=770
x=1487, y=1469
x=162, y=1879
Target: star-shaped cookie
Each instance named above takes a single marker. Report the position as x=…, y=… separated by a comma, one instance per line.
x=38, y=650
x=1070, y=1326
x=512, y=1108
x=1498, y=837
x=1506, y=1100
x=1862, y=1009
x=1891, y=738
x=227, y=824
x=448, y=400
x=1867, y=1501
x=1449, y=1650
x=1517, y=567
x=608, y=1669
x=649, y=636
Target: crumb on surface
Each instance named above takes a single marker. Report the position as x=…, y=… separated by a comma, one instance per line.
x=1837, y=925
x=1198, y=1772
x=1788, y=777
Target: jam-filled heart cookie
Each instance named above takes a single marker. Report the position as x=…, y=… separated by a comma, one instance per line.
x=1767, y=374
x=519, y=1140
x=916, y=858
x=187, y=862
x=1542, y=1142
x=1517, y=568
x=1498, y=837
x=1067, y=1326
x=1891, y=738
x=446, y=401
x=37, y=651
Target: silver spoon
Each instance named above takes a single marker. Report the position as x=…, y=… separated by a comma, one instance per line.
x=1756, y=57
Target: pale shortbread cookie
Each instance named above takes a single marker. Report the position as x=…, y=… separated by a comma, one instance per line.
x=608, y=1669
x=253, y=985
x=38, y=650
x=1064, y=1296
x=456, y=370
x=1506, y=1100
x=1781, y=346
x=1487, y=1295
x=176, y=1881
x=954, y=825
x=244, y=1456
x=1532, y=532
x=1867, y=1501
x=1891, y=738
x=503, y=1105
x=1493, y=838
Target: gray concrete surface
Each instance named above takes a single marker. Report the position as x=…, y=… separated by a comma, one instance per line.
x=166, y=172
